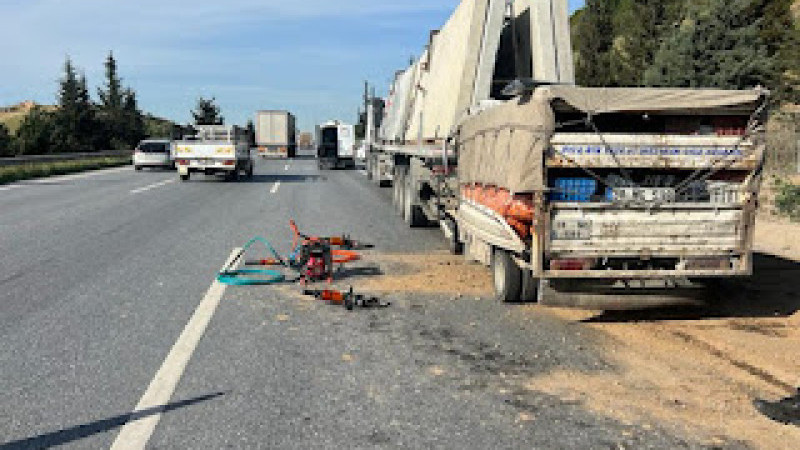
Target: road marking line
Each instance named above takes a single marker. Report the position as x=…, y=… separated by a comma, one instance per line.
x=152, y=186
x=275, y=188
x=363, y=172
x=8, y=188
x=136, y=433
x=286, y=168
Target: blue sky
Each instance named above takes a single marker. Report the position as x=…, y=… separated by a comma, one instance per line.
x=309, y=56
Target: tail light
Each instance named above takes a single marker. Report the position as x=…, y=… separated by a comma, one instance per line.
x=571, y=264
x=230, y=162
x=183, y=162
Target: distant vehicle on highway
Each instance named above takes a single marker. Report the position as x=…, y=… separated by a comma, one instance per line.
x=336, y=145
x=276, y=134
x=153, y=153
x=215, y=150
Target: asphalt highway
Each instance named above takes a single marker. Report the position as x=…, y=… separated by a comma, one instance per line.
x=101, y=274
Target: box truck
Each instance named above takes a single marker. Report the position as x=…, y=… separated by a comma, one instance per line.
x=276, y=134
x=336, y=145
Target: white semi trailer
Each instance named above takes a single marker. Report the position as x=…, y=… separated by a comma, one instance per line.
x=573, y=196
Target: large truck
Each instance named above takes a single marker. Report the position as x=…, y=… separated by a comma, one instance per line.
x=214, y=150
x=585, y=197
x=336, y=142
x=276, y=134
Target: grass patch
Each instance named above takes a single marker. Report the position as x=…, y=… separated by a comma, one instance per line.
x=787, y=199
x=10, y=174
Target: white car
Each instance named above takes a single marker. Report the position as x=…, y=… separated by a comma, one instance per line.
x=153, y=153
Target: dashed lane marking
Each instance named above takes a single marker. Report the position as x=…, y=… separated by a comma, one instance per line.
x=275, y=188
x=286, y=168
x=151, y=187
x=136, y=433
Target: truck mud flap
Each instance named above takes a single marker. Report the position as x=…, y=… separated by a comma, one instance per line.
x=614, y=295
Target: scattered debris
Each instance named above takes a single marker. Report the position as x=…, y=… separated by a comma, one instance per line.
x=349, y=299
x=786, y=411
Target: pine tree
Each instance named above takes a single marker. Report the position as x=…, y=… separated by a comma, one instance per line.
x=111, y=111
x=594, y=41
x=74, y=119
x=6, y=142
x=207, y=112
x=132, y=120
x=716, y=46
x=251, y=133
x=639, y=25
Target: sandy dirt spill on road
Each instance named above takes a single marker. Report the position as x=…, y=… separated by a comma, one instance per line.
x=701, y=376
x=436, y=273
x=698, y=371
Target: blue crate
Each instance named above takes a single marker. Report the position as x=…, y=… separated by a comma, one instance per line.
x=573, y=190
x=610, y=194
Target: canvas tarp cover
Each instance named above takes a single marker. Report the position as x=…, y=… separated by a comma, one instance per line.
x=505, y=145
x=609, y=100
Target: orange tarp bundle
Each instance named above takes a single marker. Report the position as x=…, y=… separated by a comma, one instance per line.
x=517, y=210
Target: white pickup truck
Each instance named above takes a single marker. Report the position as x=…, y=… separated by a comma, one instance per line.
x=214, y=150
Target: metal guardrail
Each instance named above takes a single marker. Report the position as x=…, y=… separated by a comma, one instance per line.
x=29, y=159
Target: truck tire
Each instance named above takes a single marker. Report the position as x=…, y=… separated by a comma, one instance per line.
x=530, y=287
x=455, y=245
x=412, y=214
x=397, y=191
x=137, y=167
x=507, y=277
x=250, y=171
x=185, y=177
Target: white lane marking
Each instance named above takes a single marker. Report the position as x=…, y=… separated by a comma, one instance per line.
x=275, y=188
x=8, y=188
x=363, y=172
x=136, y=433
x=152, y=186
x=286, y=168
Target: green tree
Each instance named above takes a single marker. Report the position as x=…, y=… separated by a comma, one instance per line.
x=251, y=133
x=75, y=124
x=36, y=133
x=118, y=111
x=6, y=142
x=594, y=39
x=133, y=122
x=639, y=25
x=719, y=46
x=780, y=32
x=109, y=108
x=207, y=112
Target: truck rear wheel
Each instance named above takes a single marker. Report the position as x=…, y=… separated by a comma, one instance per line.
x=412, y=214
x=455, y=245
x=398, y=191
x=530, y=287
x=507, y=277
x=185, y=177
